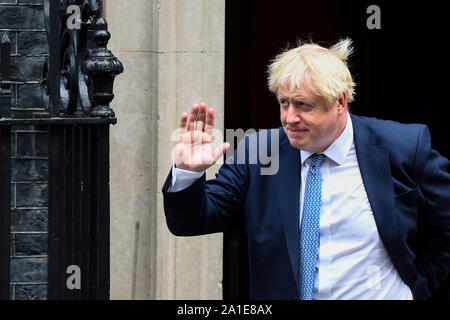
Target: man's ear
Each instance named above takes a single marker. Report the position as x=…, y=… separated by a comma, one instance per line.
x=342, y=102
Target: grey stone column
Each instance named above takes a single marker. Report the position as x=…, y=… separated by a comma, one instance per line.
x=173, y=54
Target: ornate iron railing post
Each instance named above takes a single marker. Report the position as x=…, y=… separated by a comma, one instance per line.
x=79, y=76
x=102, y=67
x=79, y=94
x=5, y=168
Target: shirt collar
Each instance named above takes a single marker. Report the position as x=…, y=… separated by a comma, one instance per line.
x=339, y=149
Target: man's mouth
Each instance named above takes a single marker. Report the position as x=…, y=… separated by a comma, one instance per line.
x=297, y=131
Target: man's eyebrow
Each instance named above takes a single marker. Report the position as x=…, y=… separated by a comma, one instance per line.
x=297, y=97
x=302, y=98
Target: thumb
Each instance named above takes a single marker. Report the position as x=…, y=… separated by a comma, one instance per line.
x=220, y=150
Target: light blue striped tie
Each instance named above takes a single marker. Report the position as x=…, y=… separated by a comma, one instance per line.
x=309, y=231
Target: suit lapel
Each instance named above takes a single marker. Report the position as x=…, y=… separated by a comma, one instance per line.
x=287, y=191
x=373, y=161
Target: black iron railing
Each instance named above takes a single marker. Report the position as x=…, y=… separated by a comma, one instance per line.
x=77, y=86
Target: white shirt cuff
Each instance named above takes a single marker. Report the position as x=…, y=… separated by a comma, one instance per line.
x=183, y=179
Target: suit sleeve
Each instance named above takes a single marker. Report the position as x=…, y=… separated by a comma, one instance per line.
x=208, y=206
x=434, y=222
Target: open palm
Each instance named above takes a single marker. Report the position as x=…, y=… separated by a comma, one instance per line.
x=194, y=150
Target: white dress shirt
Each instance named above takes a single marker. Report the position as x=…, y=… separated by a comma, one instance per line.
x=352, y=262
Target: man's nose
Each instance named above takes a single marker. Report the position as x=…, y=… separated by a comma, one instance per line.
x=292, y=115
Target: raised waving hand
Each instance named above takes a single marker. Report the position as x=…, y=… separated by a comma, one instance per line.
x=194, y=151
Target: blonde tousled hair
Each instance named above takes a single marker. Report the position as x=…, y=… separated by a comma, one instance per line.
x=325, y=70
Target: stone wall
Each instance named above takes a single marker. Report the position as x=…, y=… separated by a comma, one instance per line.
x=24, y=22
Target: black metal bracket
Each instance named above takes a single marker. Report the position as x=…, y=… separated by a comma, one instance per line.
x=5, y=88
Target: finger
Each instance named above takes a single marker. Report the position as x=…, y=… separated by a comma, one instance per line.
x=220, y=150
x=209, y=121
x=201, y=118
x=193, y=116
x=183, y=127
x=183, y=123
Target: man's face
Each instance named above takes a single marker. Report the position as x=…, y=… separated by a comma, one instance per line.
x=311, y=122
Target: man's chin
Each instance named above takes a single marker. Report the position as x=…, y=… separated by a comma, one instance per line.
x=296, y=143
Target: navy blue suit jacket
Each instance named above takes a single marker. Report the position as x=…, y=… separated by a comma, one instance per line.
x=408, y=188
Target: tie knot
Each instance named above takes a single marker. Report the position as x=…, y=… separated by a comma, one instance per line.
x=317, y=160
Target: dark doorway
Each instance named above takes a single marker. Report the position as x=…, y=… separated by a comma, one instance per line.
x=398, y=70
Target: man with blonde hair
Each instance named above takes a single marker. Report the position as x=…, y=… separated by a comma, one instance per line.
x=359, y=209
